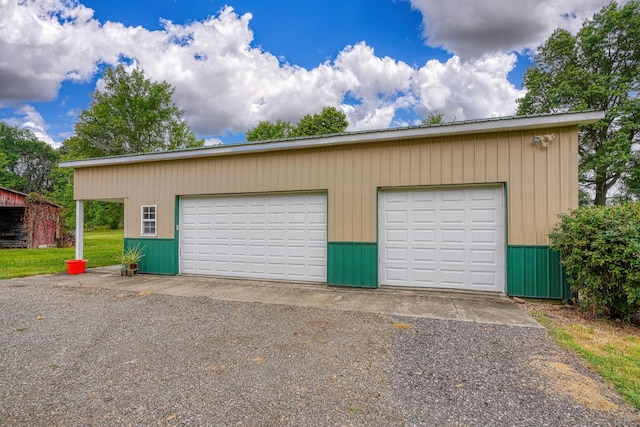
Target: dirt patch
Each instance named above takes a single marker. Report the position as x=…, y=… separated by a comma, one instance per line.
x=565, y=313
x=563, y=379
x=402, y=326
x=598, y=335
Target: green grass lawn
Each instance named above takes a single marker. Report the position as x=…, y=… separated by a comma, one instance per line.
x=612, y=349
x=101, y=248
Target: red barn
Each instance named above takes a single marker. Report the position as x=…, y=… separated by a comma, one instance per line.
x=27, y=221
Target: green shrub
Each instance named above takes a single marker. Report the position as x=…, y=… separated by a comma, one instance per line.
x=600, y=251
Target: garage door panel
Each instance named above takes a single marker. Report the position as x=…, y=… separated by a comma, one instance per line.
x=270, y=236
x=317, y=253
x=453, y=216
x=276, y=218
x=257, y=267
x=297, y=235
x=276, y=235
x=482, y=278
x=485, y=194
x=449, y=196
x=219, y=251
x=452, y=256
x=238, y=266
x=424, y=255
x=218, y=231
x=423, y=277
x=258, y=251
x=452, y=238
x=397, y=198
x=485, y=216
x=483, y=236
x=190, y=249
x=397, y=254
x=190, y=234
x=453, y=235
x=424, y=217
x=294, y=252
x=483, y=256
x=316, y=218
x=257, y=218
x=452, y=277
x=218, y=218
x=424, y=236
x=316, y=272
x=257, y=234
x=239, y=250
x=317, y=237
x=276, y=251
x=397, y=217
x=203, y=251
x=275, y=269
x=397, y=275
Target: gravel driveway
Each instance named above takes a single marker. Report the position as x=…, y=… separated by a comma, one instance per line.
x=78, y=356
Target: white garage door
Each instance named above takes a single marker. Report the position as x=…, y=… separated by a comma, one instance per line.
x=280, y=237
x=442, y=238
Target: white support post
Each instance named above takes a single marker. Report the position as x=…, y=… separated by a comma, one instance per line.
x=79, y=229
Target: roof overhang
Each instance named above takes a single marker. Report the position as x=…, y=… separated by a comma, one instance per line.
x=14, y=191
x=499, y=124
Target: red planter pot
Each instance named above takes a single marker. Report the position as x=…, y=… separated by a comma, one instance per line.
x=76, y=266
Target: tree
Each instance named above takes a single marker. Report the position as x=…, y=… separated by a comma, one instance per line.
x=25, y=161
x=131, y=115
x=599, y=69
x=266, y=131
x=329, y=121
x=435, y=118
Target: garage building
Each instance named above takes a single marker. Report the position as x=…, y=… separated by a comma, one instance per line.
x=464, y=205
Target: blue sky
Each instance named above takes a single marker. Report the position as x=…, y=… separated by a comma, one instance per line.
x=385, y=63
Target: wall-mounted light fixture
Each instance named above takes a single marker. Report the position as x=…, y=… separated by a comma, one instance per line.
x=544, y=140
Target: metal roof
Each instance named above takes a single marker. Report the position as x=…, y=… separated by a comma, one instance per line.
x=40, y=198
x=13, y=191
x=494, y=124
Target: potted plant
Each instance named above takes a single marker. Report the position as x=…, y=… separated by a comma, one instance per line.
x=129, y=260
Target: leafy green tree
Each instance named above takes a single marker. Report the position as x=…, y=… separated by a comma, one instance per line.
x=329, y=121
x=131, y=115
x=599, y=69
x=266, y=131
x=25, y=161
x=435, y=118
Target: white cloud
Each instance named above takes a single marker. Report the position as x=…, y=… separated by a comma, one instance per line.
x=43, y=43
x=225, y=84
x=464, y=90
x=29, y=118
x=472, y=28
x=210, y=142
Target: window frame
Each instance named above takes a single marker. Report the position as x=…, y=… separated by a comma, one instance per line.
x=149, y=222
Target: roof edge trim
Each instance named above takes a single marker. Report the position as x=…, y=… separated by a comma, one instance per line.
x=500, y=124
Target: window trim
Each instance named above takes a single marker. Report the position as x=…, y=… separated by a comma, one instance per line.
x=148, y=221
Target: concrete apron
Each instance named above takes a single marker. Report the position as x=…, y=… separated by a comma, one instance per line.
x=437, y=304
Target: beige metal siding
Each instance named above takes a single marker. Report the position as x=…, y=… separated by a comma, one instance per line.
x=541, y=182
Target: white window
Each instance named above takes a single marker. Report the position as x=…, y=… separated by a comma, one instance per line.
x=149, y=220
